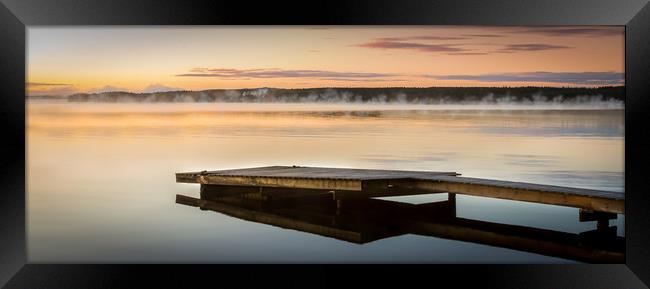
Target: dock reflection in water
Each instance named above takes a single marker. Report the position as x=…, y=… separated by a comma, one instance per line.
x=366, y=220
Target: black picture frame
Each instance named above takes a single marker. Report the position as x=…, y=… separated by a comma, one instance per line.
x=16, y=15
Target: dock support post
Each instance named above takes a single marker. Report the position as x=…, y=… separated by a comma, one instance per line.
x=339, y=204
x=451, y=198
x=602, y=224
x=338, y=200
x=601, y=218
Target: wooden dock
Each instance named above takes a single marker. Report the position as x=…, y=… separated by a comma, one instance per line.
x=281, y=181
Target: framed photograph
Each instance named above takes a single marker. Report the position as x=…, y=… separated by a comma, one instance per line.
x=502, y=140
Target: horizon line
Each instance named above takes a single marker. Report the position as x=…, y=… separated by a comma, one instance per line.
x=338, y=87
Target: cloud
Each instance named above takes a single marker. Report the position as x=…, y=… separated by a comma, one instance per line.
x=483, y=35
x=454, y=48
x=411, y=43
x=425, y=47
x=231, y=73
x=511, y=48
x=585, y=78
x=573, y=31
x=107, y=88
x=468, y=53
x=421, y=37
x=37, y=88
x=367, y=79
x=156, y=87
x=33, y=84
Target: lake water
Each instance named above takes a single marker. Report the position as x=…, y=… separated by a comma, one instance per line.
x=101, y=186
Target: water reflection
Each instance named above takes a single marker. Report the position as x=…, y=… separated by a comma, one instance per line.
x=431, y=157
x=132, y=119
x=122, y=157
x=363, y=221
x=603, y=180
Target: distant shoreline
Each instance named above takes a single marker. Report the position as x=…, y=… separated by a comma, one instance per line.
x=399, y=95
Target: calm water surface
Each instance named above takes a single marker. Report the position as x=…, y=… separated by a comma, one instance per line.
x=101, y=185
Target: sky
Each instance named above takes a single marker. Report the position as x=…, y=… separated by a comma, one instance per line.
x=66, y=60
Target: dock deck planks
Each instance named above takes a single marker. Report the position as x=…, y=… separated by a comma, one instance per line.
x=322, y=173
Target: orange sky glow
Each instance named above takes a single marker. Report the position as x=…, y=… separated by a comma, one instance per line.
x=66, y=60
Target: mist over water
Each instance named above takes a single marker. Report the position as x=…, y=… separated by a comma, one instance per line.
x=560, y=98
